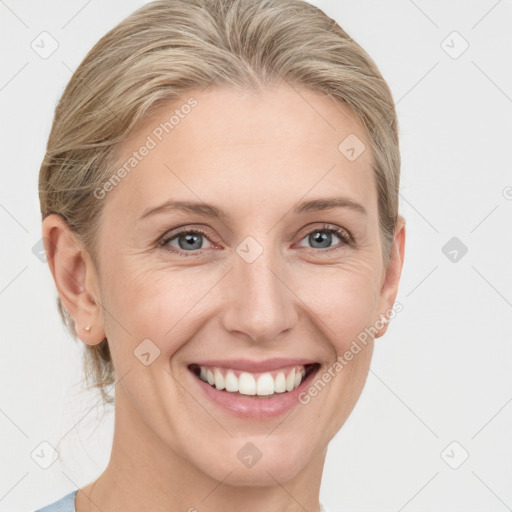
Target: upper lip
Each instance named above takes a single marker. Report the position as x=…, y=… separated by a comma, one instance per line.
x=255, y=366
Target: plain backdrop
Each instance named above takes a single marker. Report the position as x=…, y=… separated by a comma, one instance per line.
x=431, y=430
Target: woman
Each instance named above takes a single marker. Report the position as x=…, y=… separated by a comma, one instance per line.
x=220, y=215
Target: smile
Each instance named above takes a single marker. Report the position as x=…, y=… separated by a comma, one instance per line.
x=279, y=381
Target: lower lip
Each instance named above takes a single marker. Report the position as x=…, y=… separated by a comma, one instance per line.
x=253, y=406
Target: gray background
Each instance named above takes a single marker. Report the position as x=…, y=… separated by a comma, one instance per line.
x=439, y=388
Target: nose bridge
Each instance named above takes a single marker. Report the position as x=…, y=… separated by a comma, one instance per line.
x=260, y=305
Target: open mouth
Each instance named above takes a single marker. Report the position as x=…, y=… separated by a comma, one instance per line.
x=264, y=384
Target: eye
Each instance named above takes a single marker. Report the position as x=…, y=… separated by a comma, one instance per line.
x=322, y=237
x=187, y=241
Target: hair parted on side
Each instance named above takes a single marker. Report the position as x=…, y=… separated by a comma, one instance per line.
x=168, y=47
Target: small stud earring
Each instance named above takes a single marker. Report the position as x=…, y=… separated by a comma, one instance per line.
x=87, y=329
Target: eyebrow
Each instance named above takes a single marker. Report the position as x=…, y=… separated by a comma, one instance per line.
x=209, y=210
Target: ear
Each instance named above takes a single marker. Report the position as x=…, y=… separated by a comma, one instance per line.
x=392, y=273
x=75, y=277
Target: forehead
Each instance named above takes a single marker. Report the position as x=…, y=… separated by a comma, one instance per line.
x=266, y=149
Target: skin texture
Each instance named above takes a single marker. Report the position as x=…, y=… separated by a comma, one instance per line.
x=256, y=155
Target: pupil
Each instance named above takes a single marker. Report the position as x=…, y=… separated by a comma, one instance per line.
x=322, y=237
x=190, y=240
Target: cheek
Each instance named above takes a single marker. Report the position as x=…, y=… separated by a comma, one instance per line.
x=156, y=302
x=342, y=300
x=342, y=303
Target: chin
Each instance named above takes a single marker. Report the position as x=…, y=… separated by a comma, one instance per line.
x=256, y=460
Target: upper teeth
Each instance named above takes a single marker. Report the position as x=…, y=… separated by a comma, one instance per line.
x=247, y=383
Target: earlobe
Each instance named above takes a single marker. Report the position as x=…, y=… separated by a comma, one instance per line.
x=71, y=268
x=87, y=335
x=391, y=281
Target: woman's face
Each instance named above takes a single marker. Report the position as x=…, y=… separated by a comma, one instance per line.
x=264, y=282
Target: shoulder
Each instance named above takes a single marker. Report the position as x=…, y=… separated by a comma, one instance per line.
x=65, y=504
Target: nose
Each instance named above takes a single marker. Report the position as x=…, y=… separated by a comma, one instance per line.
x=260, y=305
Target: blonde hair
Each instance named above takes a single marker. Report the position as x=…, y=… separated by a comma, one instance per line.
x=170, y=46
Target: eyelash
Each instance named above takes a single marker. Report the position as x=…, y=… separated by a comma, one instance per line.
x=346, y=239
